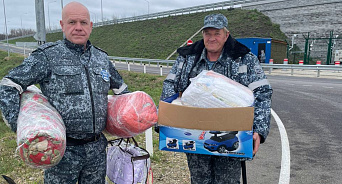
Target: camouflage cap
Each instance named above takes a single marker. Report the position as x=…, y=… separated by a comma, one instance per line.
x=217, y=21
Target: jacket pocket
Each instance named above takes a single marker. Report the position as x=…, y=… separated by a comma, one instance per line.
x=68, y=79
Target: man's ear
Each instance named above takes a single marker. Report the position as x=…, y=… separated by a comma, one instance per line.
x=62, y=24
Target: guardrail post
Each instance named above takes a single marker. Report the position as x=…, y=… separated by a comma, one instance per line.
x=161, y=70
x=318, y=72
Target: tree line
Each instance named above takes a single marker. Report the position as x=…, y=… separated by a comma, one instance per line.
x=17, y=32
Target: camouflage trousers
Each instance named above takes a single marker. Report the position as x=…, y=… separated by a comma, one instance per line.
x=83, y=164
x=210, y=169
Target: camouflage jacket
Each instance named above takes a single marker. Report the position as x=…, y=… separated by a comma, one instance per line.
x=75, y=80
x=237, y=63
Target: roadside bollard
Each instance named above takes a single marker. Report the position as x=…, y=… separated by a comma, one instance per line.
x=271, y=63
x=128, y=67
x=301, y=62
x=337, y=63
x=144, y=68
x=286, y=61
x=318, y=63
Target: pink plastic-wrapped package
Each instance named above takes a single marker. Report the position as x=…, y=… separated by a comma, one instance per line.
x=130, y=114
x=41, y=136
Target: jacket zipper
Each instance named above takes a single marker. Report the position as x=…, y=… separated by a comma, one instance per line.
x=91, y=97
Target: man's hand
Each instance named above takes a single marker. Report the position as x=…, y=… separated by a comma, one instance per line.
x=256, y=143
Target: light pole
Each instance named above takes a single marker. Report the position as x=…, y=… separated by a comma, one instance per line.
x=62, y=15
x=148, y=8
x=95, y=16
x=49, y=13
x=8, y=50
x=101, y=12
x=21, y=24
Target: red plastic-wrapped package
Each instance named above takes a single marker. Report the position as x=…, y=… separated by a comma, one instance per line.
x=41, y=136
x=130, y=114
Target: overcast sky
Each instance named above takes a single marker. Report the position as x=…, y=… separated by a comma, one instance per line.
x=21, y=13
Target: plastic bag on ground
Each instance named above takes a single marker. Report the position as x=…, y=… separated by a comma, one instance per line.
x=41, y=136
x=130, y=114
x=213, y=90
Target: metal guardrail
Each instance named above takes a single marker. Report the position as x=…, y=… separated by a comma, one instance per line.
x=142, y=60
x=291, y=67
x=188, y=10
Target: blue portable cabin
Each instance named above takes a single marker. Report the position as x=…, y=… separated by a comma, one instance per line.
x=257, y=45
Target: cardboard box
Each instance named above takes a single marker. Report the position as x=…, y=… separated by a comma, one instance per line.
x=211, y=131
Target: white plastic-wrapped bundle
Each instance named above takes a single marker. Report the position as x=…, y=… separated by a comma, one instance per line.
x=41, y=136
x=130, y=114
x=213, y=90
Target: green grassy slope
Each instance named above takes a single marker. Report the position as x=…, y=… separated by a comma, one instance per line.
x=158, y=38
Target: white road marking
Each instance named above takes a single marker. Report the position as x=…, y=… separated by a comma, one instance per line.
x=284, y=177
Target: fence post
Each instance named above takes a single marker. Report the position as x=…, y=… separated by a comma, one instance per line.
x=318, y=72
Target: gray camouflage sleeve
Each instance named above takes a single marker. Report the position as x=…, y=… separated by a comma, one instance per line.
x=116, y=81
x=171, y=79
x=32, y=71
x=263, y=93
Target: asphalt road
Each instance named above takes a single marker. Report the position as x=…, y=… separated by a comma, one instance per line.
x=13, y=48
x=311, y=111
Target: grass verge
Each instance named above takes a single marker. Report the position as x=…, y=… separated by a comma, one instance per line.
x=12, y=165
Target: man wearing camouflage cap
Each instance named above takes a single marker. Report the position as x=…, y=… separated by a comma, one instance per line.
x=220, y=52
x=75, y=76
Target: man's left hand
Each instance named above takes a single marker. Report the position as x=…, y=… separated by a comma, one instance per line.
x=256, y=142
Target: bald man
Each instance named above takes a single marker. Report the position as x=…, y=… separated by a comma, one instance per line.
x=75, y=76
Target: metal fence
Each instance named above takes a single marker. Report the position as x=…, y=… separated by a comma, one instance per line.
x=297, y=67
x=267, y=67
